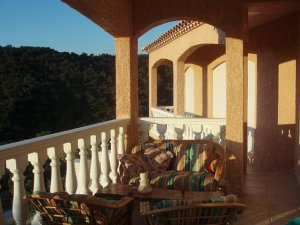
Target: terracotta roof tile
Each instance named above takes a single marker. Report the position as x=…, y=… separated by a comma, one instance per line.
x=175, y=32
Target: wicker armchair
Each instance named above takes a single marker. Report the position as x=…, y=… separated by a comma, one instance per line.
x=203, y=213
x=61, y=208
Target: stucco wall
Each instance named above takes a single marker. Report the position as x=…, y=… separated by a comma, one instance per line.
x=297, y=140
x=274, y=46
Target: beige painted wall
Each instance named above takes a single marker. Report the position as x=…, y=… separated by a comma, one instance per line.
x=297, y=133
x=274, y=46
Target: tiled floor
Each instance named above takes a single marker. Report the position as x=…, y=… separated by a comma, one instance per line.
x=272, y=198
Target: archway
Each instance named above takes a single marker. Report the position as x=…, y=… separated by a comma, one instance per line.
x=164, y=85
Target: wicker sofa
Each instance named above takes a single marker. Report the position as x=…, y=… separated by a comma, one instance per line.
x=219, y=211
x=194, y=165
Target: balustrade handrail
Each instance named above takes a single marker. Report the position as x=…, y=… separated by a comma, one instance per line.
x=181, y=120
x=34, y=144
x=183, y=128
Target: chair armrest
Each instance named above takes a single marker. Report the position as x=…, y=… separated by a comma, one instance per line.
x=219, y=170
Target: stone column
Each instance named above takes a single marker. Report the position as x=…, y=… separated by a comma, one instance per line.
x=200, y=89
x=152, y=89
x=178, y=88
x=127, y=85
x=236, y=119
x=297, y=139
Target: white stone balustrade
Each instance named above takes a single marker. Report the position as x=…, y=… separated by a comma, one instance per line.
x=63, y=145
x=184, y=128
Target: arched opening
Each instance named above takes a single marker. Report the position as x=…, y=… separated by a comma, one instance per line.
x=156, y=86
x=164, y=85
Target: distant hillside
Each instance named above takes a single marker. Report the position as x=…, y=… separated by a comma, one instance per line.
x=44, y=91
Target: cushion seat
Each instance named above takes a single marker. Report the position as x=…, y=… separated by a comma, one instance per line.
x=190, y=181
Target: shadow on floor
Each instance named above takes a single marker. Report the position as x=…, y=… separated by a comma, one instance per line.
x=272, y=198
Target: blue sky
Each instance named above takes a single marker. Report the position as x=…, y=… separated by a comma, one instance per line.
x=51, y=23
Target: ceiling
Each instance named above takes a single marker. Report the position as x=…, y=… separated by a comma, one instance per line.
x=261, y=13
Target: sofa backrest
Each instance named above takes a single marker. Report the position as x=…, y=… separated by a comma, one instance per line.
x=190, y=155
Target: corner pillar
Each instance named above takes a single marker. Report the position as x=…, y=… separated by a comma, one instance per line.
x=127, y=85
x=199, y=92
x=178, y=88
x=236, y=94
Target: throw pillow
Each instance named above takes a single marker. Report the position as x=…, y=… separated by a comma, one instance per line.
x=157, y=158
x=131, y=166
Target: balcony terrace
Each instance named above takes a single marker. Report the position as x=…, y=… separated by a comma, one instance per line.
x=266, y=32
x=103, y=141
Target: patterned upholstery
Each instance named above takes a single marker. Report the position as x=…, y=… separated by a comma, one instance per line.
x=195, y=165
x=61, y=208
x=190, y=181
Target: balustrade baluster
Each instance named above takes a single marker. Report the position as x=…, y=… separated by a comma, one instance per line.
x=104, y=179
x=144, y=131
x=70, y=170
x=38, y=180
x=83, y=177
x=161, y=128
x=206, y=133
x=55, y=184
x=19, y=208
x=179, y=132
x=121, y=149
x=113, y=161
x=95, y=165
x=202, y=134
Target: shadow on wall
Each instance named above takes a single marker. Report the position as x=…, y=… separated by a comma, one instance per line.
x=274, y=45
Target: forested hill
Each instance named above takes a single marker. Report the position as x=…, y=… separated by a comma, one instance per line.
x=44, y=91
